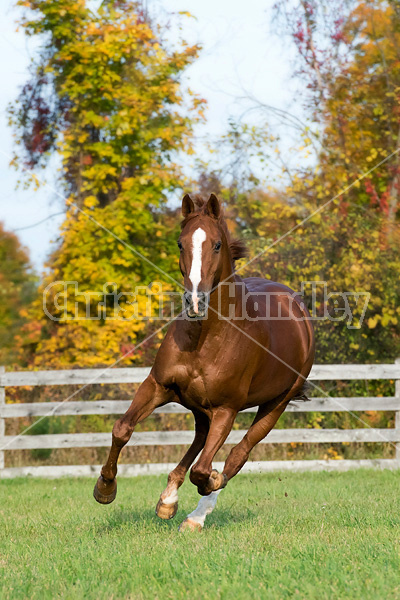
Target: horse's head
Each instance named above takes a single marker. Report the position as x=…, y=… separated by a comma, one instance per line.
x=207, y=254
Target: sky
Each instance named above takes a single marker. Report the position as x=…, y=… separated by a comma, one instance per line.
x=240, y=53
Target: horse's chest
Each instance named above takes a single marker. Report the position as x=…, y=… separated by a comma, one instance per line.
x=204, y=379
x=192, y=385
x=201, y=385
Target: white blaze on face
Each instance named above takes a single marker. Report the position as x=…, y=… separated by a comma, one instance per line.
x=198, y=238
x=205, y=507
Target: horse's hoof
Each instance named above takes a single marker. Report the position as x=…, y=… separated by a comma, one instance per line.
x=215, y=482
x=219, y=480
x=105, y=491
x=190, y=525
x=166, y=511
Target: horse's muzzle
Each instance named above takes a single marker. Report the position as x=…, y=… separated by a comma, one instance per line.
x=195, y=305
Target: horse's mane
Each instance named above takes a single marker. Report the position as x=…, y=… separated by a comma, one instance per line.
x=237, y=246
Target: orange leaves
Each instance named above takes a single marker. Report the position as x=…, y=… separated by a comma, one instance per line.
x=17, y=287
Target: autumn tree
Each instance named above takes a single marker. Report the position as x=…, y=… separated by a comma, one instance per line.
x=17, y=288
x=348, y=62
x=106, y=96
x=348, y=55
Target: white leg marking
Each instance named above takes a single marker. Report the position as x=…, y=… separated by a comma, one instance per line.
x=171, y=497
x=205, y=507
x=198, y=238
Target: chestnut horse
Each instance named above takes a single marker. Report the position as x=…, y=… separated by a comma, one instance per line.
x=228, y=353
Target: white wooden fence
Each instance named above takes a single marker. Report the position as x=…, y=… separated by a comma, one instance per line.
x=137, y=375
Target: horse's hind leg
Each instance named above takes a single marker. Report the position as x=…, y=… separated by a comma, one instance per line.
x=264, y=421
x=195, y=521
x=168, y=502
x=149, y=395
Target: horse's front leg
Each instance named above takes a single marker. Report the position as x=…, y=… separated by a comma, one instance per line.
x=168, y=502
x=209, y=482
x=149, y=396
x=202, y=475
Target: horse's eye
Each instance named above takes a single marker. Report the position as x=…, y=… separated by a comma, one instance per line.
x=217, y=246
x=180, y=245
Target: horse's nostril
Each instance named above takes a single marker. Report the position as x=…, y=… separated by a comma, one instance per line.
x=195, y=303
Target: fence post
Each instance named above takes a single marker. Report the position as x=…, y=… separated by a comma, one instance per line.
x=2, y=420
x=397, y=413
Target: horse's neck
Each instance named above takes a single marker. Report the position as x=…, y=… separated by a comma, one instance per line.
x=228, y=293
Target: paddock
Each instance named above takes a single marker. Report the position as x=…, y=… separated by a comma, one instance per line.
x=283, y=529
x=273, y=535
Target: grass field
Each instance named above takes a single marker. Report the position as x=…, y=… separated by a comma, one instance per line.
x=310, y=535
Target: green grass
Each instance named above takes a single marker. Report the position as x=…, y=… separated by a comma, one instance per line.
x=332, y=536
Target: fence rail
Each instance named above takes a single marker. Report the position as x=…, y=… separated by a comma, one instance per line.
x=138, y=374
x=85, y=377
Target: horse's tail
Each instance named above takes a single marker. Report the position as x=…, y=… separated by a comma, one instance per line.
x=301, y=385
x=311, y=338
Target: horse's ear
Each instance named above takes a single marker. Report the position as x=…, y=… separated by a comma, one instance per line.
x=187, y=206
x=213, y=207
